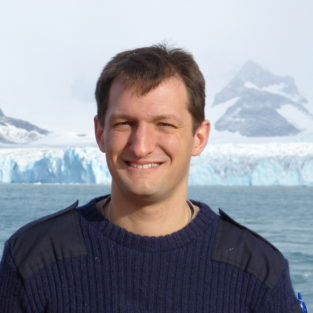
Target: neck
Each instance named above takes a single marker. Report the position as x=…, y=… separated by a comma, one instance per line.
x=149, y=218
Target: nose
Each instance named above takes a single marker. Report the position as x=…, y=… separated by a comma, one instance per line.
x=142, y=140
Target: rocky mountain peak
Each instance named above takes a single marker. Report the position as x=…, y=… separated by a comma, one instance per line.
x=253, y=75
x=261, y=104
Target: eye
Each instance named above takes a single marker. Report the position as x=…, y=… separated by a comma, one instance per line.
x=122, y=124
x=167, y=124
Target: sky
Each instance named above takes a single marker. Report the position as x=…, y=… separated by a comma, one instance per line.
x=52, y=52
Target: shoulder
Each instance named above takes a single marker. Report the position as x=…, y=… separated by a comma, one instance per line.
x=44, y=241
x=245, y=249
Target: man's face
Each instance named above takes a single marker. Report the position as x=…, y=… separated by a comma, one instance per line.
x=148, y=140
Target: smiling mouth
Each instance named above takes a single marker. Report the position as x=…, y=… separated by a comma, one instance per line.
x=143, y=166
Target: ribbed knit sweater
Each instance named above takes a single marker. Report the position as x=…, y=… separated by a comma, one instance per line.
x=76, y=261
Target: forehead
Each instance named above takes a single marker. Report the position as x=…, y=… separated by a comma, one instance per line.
x=170, y=95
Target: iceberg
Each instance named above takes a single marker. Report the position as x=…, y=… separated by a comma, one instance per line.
x=280, y=164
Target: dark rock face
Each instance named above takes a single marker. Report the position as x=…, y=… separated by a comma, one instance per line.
x=259, y=94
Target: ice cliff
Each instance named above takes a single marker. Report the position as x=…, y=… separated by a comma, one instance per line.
x=224, y=164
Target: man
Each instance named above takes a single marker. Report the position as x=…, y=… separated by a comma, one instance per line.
x=145, y=247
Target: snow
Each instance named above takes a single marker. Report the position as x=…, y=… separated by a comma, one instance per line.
x=251, y=85
x=54, y=139
x=277, y=89
x=17, y=135
x=66, y=139
x=268, y=164
x=296, y=117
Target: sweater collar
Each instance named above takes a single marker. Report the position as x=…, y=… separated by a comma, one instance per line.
x=199, y=225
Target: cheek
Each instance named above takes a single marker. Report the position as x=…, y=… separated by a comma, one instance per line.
x=168, y=142
x=115, y=143
x=177, y=146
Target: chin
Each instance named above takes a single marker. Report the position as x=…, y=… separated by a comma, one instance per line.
x=143, y=192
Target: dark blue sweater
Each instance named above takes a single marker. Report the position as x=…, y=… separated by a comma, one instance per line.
x=76, y=261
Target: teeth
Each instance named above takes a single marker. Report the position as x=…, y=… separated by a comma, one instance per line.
x=149, y=165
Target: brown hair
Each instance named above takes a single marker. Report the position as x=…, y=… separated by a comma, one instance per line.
x=146, y=68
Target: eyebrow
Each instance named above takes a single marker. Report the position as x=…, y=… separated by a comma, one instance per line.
x=166, y=117
x=156, y=118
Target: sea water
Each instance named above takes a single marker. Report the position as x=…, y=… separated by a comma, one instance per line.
x=283, y=215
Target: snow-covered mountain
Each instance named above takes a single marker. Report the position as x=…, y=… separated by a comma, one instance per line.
x=226, y=164
x=257, y=103
x=16, y=131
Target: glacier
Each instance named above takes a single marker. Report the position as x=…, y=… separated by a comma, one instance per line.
x=281, y=164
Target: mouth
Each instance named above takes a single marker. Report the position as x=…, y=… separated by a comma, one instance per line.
x=143, y=166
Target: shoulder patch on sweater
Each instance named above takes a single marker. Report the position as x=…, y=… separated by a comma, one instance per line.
x=243, y=248
x=44, y=241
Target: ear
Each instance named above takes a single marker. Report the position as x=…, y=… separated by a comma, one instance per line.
x=201, y=138
x=99, y=134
